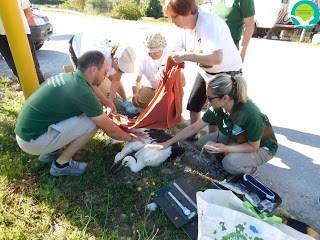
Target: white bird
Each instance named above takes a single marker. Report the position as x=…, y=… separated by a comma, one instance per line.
x=130, y=147
x=146, y=157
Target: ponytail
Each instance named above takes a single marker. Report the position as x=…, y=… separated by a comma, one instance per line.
x=233, y=86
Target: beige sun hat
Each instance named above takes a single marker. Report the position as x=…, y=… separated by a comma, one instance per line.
x=155, y=42
x=126, y=57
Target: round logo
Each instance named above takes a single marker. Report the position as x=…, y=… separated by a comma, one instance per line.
x=305, y=14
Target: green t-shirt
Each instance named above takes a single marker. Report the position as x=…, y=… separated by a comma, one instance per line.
x=245, y=118
x=233, y=12
x=58, y=98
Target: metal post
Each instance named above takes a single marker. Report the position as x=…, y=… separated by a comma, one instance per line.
x=19, y=45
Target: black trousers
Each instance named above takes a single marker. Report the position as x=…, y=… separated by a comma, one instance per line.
x=198, y=95
x=7, y=55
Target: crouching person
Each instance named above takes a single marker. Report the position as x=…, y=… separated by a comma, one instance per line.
x=65, y=113
x=244, y=136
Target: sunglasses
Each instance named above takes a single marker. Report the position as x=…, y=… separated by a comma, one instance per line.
x=211, y=98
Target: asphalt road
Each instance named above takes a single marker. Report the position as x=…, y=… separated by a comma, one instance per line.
x=283, y=79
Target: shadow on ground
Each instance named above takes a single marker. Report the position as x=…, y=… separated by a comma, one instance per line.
x=51, y=63
x=298, y=153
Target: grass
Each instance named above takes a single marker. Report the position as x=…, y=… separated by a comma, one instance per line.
x=35, y=205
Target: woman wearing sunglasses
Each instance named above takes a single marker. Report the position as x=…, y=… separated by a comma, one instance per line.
x=244, y=135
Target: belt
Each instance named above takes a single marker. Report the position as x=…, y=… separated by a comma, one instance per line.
x=232, y=73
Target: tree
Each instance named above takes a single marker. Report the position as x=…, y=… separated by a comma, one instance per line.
x=152, y=8
x=126, y=9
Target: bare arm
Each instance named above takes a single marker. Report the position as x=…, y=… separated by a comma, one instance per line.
x=247, y=34
x=183, y=134
x=115, y=84
x=204, y=59
x=29, y=17
x=136, y=97
x=112, y=130
x=138, y=84
x=103, y=99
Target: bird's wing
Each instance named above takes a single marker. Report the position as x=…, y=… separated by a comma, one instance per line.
x=154, y=157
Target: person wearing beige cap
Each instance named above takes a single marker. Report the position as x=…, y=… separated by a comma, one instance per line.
x=156, y=56
x=120, y=58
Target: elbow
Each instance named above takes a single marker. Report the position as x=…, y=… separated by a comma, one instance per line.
x=254, y=147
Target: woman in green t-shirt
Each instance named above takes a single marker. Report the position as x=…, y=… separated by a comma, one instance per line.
x=244, y=136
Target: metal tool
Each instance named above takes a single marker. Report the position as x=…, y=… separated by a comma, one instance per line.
x=184, y=209
x=185, y=195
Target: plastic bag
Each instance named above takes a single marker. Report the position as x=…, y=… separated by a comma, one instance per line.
x=222, y=216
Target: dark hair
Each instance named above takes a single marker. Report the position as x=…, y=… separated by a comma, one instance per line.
x=181, y=7
x=90, y=58
x=234, y=86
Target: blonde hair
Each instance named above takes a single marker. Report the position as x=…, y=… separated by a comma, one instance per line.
x=233, y=86
x=155, y=42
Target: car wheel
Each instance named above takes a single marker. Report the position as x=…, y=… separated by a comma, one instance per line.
x=38, y=45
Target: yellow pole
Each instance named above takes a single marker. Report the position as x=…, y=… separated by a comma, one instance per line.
x=19, y=45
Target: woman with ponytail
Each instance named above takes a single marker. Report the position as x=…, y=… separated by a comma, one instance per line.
x=244, y=136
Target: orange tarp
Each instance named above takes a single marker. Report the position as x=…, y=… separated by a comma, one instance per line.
x=165, y=108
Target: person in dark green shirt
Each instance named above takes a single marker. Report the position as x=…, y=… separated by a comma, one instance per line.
x=64, y=113
x=244, y=137
x=239, y=16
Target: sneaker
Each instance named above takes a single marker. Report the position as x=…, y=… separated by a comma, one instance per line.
x=74, y=169
x=48, y=158
x=129, y=107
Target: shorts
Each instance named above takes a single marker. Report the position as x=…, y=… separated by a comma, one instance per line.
x=58, y=135
x=198, y=95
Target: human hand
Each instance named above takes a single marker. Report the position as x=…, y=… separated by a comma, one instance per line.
x=213, y=147
x=109, y=104
x=160, y=74
x=137, y=137
x=136, y=99
x=158, y=146
x=178, y=57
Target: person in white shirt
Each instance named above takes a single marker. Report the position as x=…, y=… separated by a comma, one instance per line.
x=120, y=58
x=149, y=64
x=26, y=13
x=206, y=40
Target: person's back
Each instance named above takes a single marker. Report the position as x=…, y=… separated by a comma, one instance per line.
x=59, y=98
x=239, y=15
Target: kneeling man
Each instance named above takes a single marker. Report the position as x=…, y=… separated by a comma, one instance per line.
x=64, y=113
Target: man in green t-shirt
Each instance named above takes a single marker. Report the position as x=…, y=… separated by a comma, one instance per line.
x=64, y=113
x=239, y=16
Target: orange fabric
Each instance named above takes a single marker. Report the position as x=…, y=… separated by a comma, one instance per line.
x=165, y=108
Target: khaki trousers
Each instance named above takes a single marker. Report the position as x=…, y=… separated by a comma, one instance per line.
x=237, y=163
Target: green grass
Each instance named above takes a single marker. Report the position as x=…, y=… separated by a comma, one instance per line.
x=35, y=205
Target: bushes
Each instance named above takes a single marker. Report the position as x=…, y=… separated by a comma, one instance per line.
x=98, y=6
x=126, y=9
x=74, y=4
x=152, y=8
x=53, y=2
